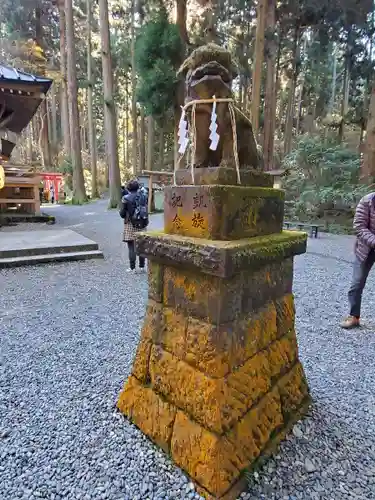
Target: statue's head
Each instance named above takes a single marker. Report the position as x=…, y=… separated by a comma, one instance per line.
x=208, y=71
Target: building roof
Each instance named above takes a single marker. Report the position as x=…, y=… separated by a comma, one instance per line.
x=20, y=96
x=13, y=75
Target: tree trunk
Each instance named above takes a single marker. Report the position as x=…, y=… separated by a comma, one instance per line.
x=181, y=15
x=345, y=91
x=368, y=165
x=142, y=141
x=44, y=142
x=270, y=93
x=79, y=193
x=277, y=83
x=127, y=121
x=210, y=33
x=63, y=90
x=49, y=117
x=134, y=98
x=291, y=96
x=90, y=110
x=109, y=109
x=301, y=88
x=161, y=147
x=150, y=142
x=54, y=118
x=30, y=142
x=124, y=142
x=258, y=64
x=333, y=85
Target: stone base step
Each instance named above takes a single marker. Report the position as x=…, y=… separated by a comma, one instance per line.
x=35, y=251
x=31, y=260
x=18, y=244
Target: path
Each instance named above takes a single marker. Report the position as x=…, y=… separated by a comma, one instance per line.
x=68, y=335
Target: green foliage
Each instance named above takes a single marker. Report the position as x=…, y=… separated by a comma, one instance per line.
x=158, y=53
x=322, y=175
x=156, y=91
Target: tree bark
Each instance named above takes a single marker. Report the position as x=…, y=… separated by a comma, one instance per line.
x=44, y=142
x=134, y=98
x=346, y=83
x=142, y=141
x=181, y=16
x=270, y=94
x=333, y=85
x=291, y=97
x=30, y=142
x=90, y=110
x=150, y=142
x=127, y=121
x=63, y=90
x=79, y=193
x=161, y=147
x=109, y=109
x=54, y=118
x=124, y=142
x=211, y=34
x=258, y=63
x=368, y=165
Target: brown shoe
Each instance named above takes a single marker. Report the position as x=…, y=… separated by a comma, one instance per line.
x=350, y=322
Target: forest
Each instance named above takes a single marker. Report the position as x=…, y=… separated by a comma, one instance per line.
x=306, y=79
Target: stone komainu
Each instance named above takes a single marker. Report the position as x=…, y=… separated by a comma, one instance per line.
x=208, y=72
x=216, y=380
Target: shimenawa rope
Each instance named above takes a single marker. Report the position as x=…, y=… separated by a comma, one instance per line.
x=232, y=111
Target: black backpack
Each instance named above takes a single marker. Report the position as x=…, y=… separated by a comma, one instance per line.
x=139, y=213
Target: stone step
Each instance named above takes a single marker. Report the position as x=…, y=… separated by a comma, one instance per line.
x=33, y=243
x=47, y=250
x=30, y=260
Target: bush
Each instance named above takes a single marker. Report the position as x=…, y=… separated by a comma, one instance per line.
x=323, y=175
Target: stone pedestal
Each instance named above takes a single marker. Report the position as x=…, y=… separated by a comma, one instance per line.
x=216, y=380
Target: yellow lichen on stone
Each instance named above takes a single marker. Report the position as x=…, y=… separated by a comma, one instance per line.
x=251, y=434
x=282, y=354
x=208, y=347
x=141, y=360
x=260, y=329
x=148, y=411
x=293, y=390
x=155, y=281
x=245, y=386
x=172, y=336
x=215, y=403
x=176, y=280
x=202, y=295
x=206, y=457
x=186, y=387
x=153, y=320
x=285, y=314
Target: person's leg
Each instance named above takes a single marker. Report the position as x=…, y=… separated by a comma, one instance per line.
x=142, y=262
x=132, y=255
x=360, y=273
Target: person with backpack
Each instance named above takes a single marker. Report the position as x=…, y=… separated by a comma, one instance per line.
x=135, y=214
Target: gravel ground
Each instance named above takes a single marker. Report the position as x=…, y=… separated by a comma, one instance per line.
x=68, y=336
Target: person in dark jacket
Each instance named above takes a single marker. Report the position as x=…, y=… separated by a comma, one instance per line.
x=126, y=211
x=364, y=226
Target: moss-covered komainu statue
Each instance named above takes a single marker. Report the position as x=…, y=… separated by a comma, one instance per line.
x=208, y=72
x=216, y=380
